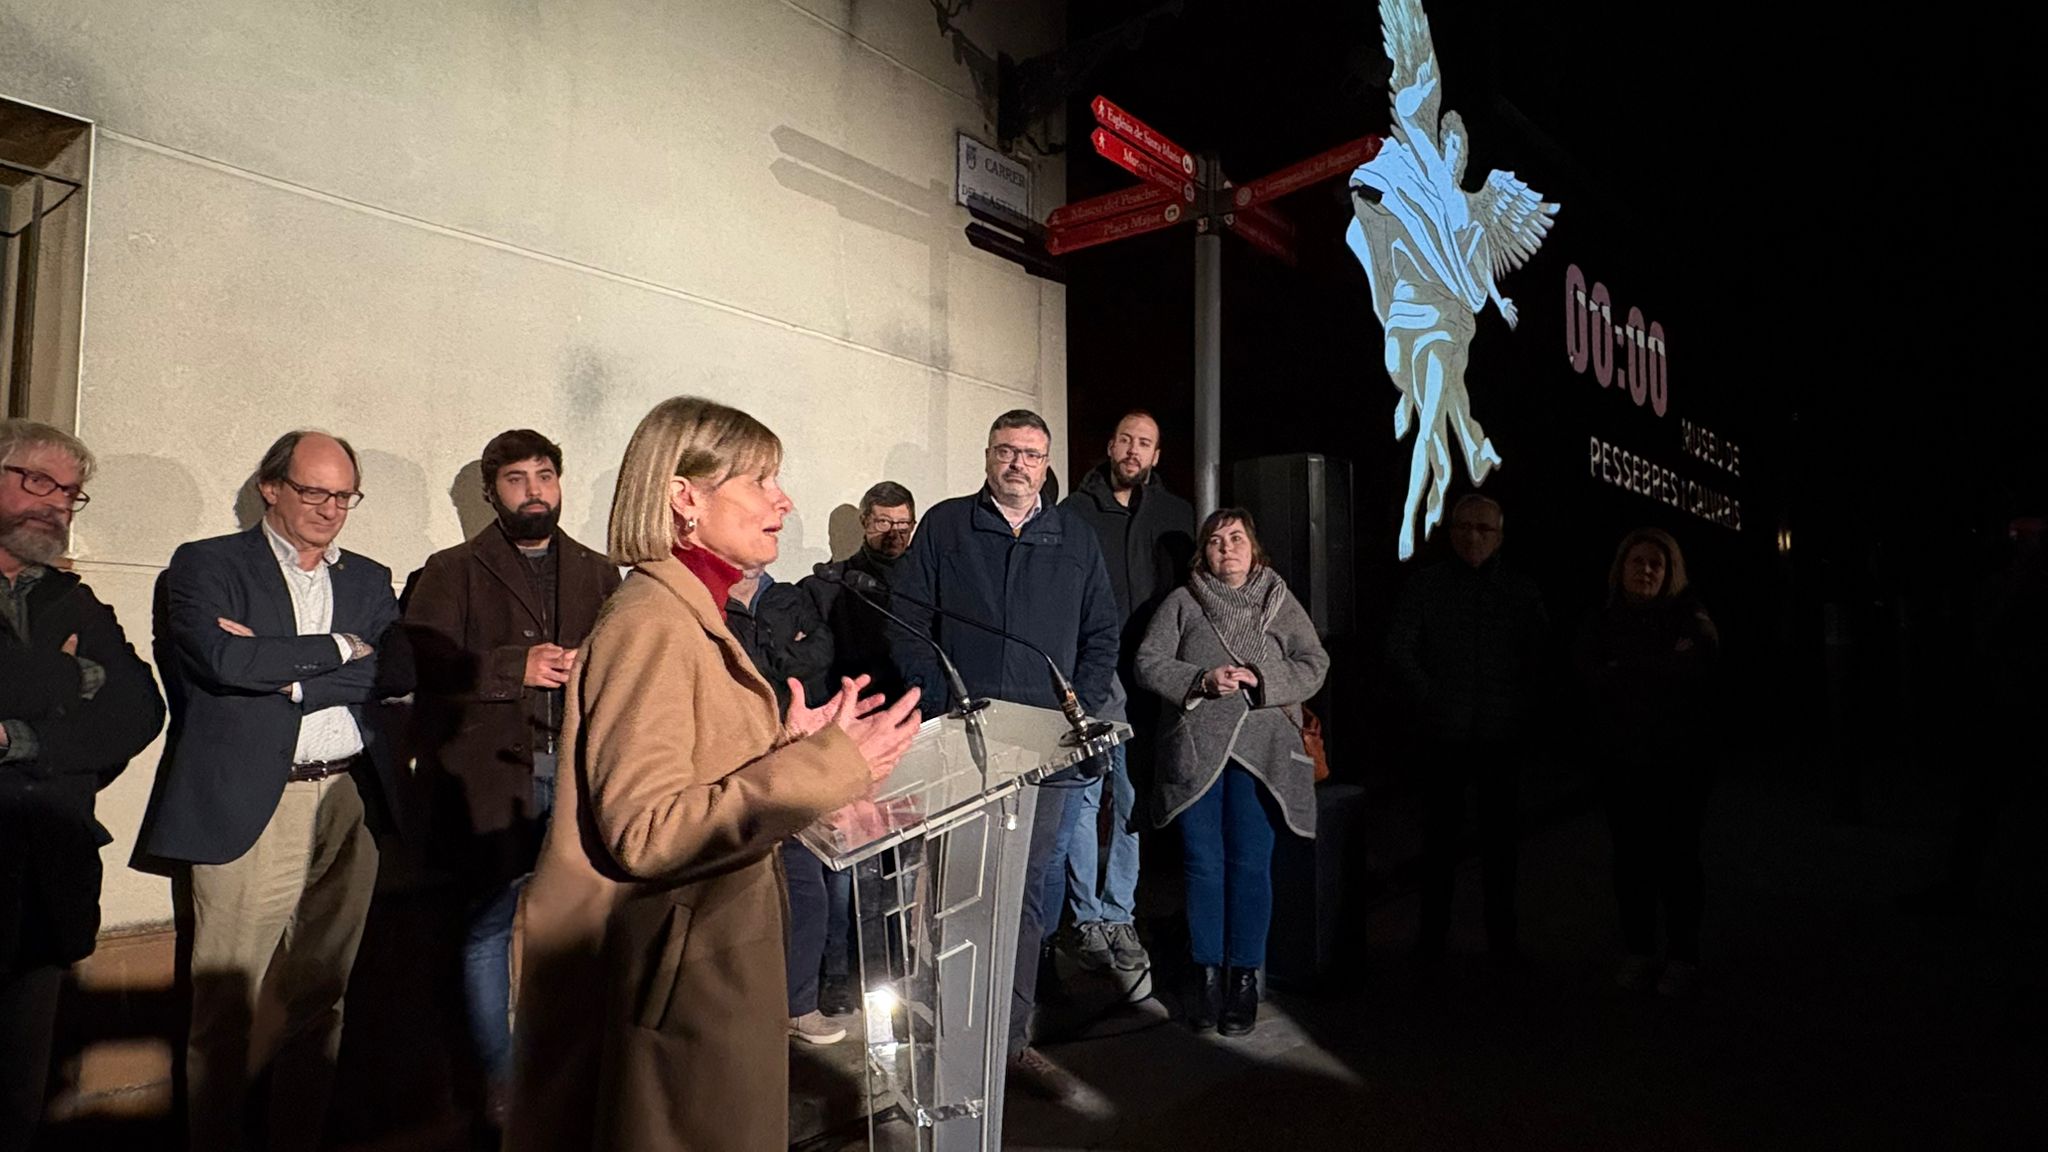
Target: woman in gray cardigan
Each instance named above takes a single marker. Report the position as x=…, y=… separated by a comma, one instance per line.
x=1234, y=655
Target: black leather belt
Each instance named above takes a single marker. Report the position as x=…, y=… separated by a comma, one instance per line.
x=319, y=769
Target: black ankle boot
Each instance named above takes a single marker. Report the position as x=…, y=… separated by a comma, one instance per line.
x=1240, y=1002
x=1203, y=997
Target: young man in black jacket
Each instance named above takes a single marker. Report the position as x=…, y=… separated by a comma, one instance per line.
x=76, y=704
x=1148, y=539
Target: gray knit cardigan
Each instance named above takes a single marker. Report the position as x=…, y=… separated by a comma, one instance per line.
x=1200, y=735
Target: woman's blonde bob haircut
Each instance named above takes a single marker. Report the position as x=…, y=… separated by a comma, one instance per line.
x=701, y=441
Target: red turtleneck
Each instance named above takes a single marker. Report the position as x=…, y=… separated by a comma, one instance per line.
x=717, y=575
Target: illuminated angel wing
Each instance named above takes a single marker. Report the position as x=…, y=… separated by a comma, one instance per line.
x=1515, y=219
x=1416, y=87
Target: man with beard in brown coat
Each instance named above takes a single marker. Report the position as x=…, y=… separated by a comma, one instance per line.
x=496, y=622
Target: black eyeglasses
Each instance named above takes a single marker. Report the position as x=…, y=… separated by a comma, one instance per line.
x=880, y=524
x=42, y=484
x=1008, y=453
x=319, y=496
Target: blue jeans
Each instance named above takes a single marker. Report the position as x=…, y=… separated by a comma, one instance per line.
x=487, y=978
x=838, y=922
x=1229, y=835
x=487, y=960
x=1039, y=916
x=808, y=928
x=1075, y=877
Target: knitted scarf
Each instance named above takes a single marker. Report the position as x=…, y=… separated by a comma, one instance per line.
x=1240, y=615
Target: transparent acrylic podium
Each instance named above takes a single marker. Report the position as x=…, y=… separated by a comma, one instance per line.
x=938, y=861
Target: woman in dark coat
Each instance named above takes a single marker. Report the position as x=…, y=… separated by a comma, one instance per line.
x=1234, y=655
x=1647, y=660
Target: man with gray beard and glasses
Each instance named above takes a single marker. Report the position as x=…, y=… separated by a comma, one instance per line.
x=76, y=703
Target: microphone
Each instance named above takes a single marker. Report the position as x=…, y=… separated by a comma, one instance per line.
x=967, y=707
x=1070, y=704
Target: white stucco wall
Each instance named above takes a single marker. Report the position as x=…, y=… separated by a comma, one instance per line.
x=419, y=224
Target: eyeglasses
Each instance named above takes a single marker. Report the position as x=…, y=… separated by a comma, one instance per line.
x=1007, y=453
x=319, y=496
x=878, y=524
x=42, y=484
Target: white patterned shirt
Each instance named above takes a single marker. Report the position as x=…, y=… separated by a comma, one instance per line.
x=331, y=733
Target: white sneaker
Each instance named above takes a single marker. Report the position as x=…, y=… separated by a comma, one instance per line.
x=816, y=1028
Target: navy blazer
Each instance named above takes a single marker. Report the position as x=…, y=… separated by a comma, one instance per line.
x=233, y=733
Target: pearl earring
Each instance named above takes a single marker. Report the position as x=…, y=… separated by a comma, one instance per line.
x=689, y=524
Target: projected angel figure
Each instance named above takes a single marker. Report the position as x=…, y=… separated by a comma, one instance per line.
x=1433, y=253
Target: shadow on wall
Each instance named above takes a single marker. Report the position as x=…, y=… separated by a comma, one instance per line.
x=921, y=213
x=843, y=532
x=249, y=505
x=796, y=558
x=398, y=532
x=472, y=509
x=920, y=470
x=596, y=512
x=152, y=503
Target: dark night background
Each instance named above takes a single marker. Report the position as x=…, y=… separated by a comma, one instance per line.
x=1824, y=215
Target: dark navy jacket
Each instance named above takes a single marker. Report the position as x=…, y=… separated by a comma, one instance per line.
x=1047, y=584
x=232, y=732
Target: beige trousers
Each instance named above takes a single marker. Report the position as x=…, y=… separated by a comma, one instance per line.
x=272, y=937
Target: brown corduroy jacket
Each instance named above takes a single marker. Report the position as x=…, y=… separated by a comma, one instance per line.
x=652, y=1002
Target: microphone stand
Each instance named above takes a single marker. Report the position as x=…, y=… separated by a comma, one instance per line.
x=965, y=706
x=1083, y=729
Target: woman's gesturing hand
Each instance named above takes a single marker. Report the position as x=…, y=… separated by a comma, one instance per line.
x=883, y=737
x=804, y=721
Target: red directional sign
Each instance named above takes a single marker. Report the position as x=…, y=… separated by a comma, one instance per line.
x=1268, y=219
x=1148, y=139
x=1255, y=229
x=1115, y=204
x=1125, y=155
x=1063, y=240
x=1342, y=158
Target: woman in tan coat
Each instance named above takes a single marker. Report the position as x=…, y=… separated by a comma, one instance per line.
x=651, y=1008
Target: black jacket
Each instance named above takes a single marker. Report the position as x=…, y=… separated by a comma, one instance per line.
x=861, y=636
x=785, y=636
x=49, y=838
x=1465, y=645
x=1046, y=584
x=1648, y=671
x=1146, y=548
x=233, y=732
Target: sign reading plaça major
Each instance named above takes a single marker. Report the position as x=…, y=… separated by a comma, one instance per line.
x=987, y=174
x=1434, y=254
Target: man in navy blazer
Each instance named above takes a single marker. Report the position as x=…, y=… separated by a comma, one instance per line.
x=270, y=643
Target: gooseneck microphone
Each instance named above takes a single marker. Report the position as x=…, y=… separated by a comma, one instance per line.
x=966, y=706
x=1084, y=728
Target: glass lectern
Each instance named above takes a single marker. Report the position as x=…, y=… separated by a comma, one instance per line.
x=938, y=859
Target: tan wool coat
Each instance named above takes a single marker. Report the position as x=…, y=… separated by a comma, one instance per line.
x=652, y=997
